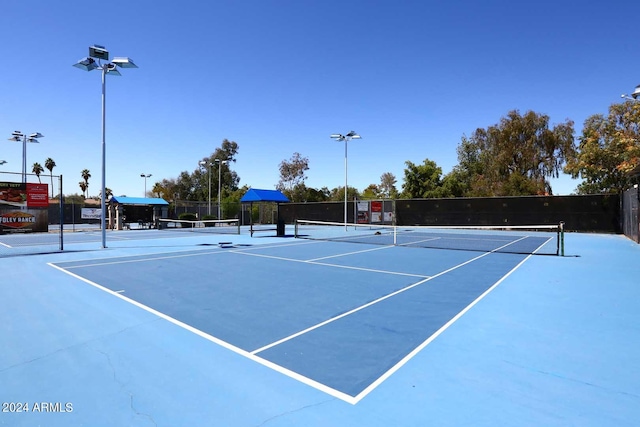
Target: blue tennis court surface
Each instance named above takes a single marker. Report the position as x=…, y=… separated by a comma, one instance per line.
x=278, y=331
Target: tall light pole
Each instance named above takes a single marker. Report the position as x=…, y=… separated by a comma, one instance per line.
x=203, y=163
x=145, y=176
x=220, y=163
x=89, y=63
x=19, y=136
x=346, y=138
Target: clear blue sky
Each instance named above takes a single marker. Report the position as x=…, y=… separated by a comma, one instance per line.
x=280, y=76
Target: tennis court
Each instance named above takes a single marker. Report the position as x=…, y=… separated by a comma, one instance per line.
x=166, y=328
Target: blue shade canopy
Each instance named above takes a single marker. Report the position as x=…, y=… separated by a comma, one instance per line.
x=139, y=200
x=255, y=195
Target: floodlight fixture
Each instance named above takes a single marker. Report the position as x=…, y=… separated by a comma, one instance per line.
x=111, y=69
x=18, y=136
x=145, y=176
x=634, y=96
x=86, y=64
x=124, y=62
x=98, y=52
x=352, y=135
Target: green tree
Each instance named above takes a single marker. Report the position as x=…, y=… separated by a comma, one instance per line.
x=515, y=156
x=159, y=191
x=86, y=175
x=609, y=149
x=315, y=195
x=195, y=185
x=337, y=194
x=37, y=169
x=454, y=184
x=372, y=192
x=50, y=164
x=422, y=181
x=228, y=151
x=292, y=177
x=107, y=191
x=74, y=199
x=387, y=186
x=83, y=188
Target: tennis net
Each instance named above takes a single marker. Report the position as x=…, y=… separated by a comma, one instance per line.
x=531, y=239
x=214, y=226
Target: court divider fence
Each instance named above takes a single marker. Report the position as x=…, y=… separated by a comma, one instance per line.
x=589, y=213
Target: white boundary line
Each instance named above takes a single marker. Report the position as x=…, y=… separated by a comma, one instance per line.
x=369, y=304
x=319, y=386
x=349, y=253
x=151, y=258
x=435, y=335
x=347, y=267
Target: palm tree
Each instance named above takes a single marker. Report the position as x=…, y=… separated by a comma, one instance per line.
x=83, y=186
x=50, y=164
x=37, y=169
x=108, y=192
x=86, y=175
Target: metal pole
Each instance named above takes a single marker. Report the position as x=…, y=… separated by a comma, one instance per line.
x=104, y=163
x=345, y=184
x=209, y=195
x=24, y=158
x=219, y=187
x=61, y=203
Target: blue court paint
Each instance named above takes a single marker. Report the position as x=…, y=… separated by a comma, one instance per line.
x=555, y=344
x=253, y=301
x=351, y=353
x=246, y=301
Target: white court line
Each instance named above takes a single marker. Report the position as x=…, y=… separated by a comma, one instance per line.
x=5, y=245
x=435, y=335
x=347, y=267
x=349, y=253
x=376, y=301
x=175, y=254
x=151, y=258
x=315, y=384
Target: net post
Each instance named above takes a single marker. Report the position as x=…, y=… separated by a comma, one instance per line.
x=295, y=228
x=61, y=206
x=561, y=238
